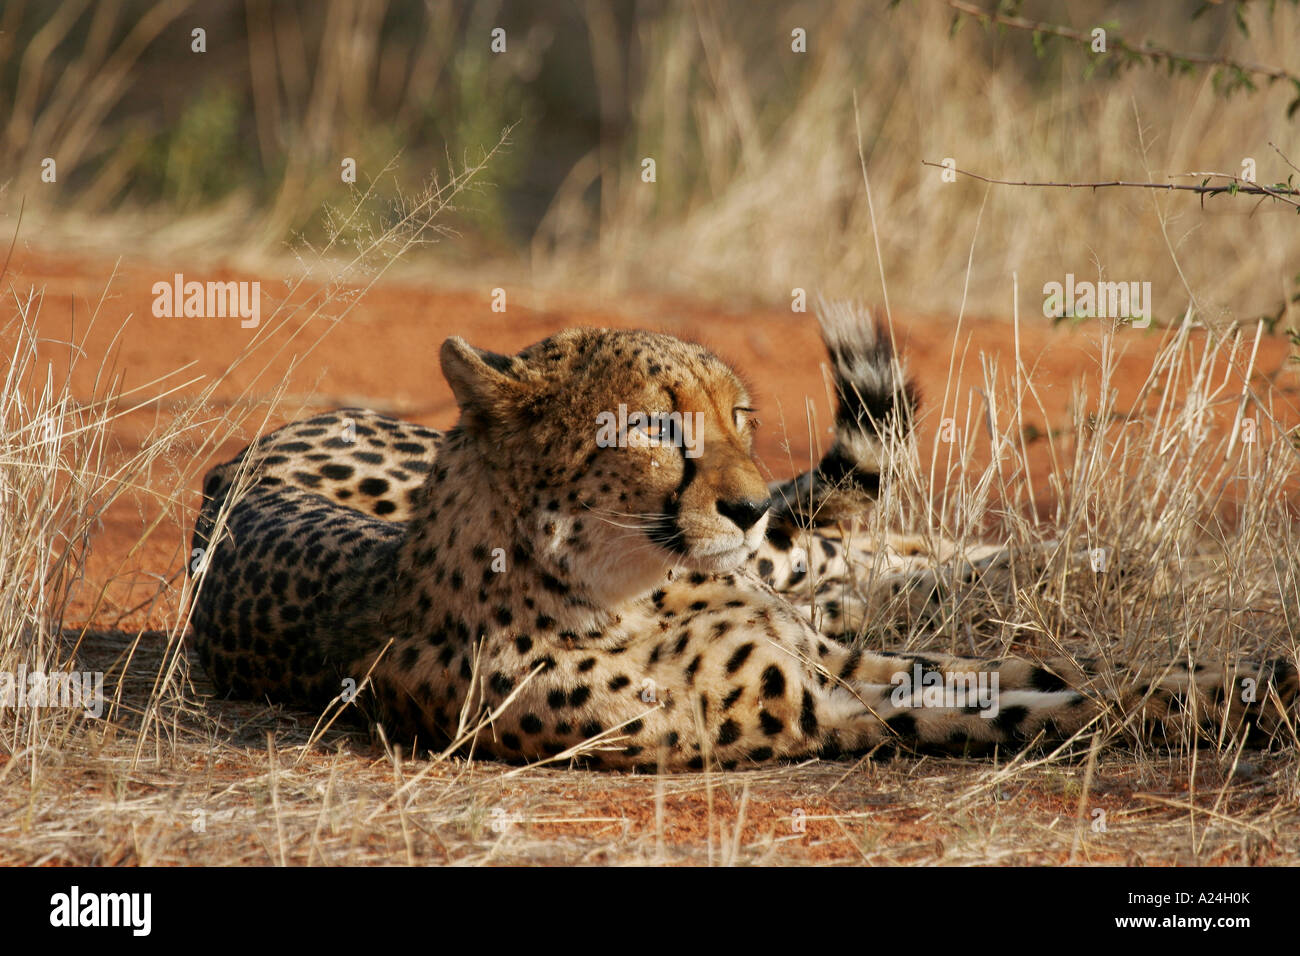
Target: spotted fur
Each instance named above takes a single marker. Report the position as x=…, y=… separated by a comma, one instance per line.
x=607, y=603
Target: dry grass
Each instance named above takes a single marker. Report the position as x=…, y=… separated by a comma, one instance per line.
x=172, y=775
x=1198, y=525
x=236, y=785
x=758, y=186
x=759, y=189
x=60, y=470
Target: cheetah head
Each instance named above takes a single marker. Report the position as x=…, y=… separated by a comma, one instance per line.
x=624, y=453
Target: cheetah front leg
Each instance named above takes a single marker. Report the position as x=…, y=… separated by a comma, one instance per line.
x=729, y=687
x=906, y=588
x=772, y=688
x=776, y=690
x=1056, y=697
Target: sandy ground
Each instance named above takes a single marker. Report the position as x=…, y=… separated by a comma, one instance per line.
x=384, y=354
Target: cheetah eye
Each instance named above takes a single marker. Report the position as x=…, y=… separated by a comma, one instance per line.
x=744, y=418
x=646, y=432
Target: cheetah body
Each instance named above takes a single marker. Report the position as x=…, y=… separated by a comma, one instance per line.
x=516, y=586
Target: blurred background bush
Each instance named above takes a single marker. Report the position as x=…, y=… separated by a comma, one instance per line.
x=758, y=187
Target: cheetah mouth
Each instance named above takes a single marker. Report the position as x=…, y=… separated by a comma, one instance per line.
x=720, y=553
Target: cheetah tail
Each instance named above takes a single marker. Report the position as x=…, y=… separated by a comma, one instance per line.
x=875, y=404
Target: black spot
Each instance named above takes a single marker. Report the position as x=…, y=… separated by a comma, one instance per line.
x=904, y=725
x=808, y=714
x=373, y=486
x=739, y=657
x=771, y=725
x=1009, y=719
x=760, y=754
x=619, y=682
x=530, y=724
x=773, y=682
x=502, y=683
x=691, y=668
x=554, y=584
x=586, y=664
x=211, y=484
x=765, y=568
x=850, y=664
x=1040, y=678
x=336, y=472
x=579, y=695
x=732, y=697
x=556, y=699
x=523, y=643
x=779, y=539
x=728, y=733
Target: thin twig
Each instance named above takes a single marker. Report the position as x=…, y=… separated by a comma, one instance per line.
x=1236, y=186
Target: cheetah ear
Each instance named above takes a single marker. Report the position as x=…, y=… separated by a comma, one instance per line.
x=478, y=379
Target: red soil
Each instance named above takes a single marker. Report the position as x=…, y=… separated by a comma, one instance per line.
x=383, y=353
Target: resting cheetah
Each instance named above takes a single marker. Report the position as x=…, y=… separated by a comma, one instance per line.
x=607, y=600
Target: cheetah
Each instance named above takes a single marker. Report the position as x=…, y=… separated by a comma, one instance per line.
x=520, y=587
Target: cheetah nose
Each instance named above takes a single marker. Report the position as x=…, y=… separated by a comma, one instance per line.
x=745, y=512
